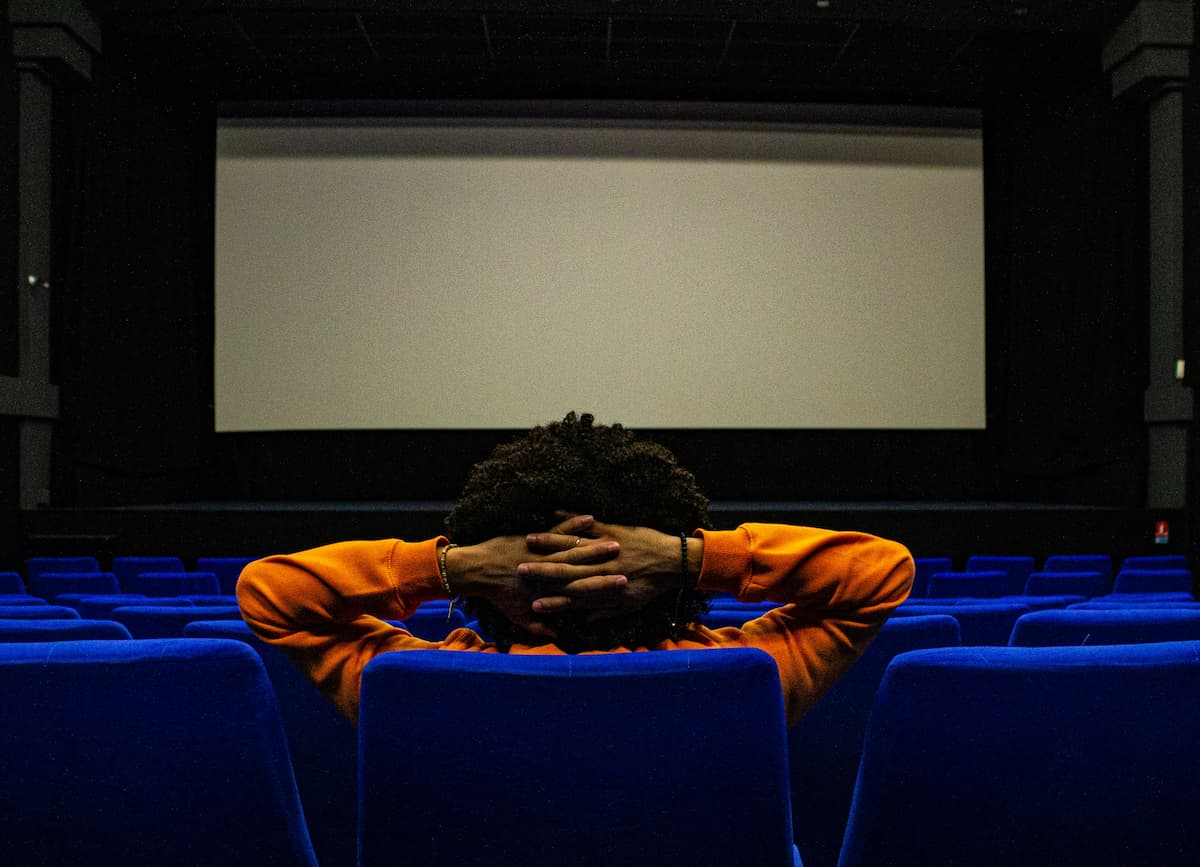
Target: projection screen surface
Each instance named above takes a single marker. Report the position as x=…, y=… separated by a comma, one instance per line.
x=465, y=276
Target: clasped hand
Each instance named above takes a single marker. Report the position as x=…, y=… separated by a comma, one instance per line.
x=579, y=564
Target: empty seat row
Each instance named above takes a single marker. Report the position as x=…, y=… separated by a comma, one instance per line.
x=125, y=569
x=1020, y=568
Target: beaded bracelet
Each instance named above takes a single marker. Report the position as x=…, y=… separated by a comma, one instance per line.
x=445, y=578
x=683, y=540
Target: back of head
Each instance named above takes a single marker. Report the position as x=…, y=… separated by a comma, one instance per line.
x=581, y=467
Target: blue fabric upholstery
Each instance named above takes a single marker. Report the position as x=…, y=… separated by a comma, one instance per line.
x=35, y=566
x=675, y=757
x=51, y=585
x=925, y=567
x=1080, y=626
x=953, y=585
x=1018, y=570
x=1153, y=581
x=323, y=746
x=102, y=607
x=431, y=622
x=1143, y=598
x=227, y=570
x=127, y=567
x=1155, y=561
x=38, y=612
x=1109, y=603
x=145, y=752
x=61, y=630
x=20, y=599
x=171, y=584
x=202, y=599
x=12, y=584
x=151, y=621
x=1038, y=757
x=982, y=623
x=1102, y=563
x=1067, y=583
x=825, y=746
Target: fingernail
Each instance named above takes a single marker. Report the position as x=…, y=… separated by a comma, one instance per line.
x=622, y=581
x=612, y=547
x=538, y=606
x=523, y=569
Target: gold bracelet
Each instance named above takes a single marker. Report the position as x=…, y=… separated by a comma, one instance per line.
x=446, y=578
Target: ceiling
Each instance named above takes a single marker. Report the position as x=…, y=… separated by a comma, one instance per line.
x=947, y=51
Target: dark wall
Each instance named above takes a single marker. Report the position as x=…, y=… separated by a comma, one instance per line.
x=9, y=483
x=1066, y=333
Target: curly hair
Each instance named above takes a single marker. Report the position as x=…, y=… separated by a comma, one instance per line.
x=578, y=466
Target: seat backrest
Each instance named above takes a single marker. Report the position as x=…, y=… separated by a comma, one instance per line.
x=596, y=759
x=1017, y=568
x=322, y=742
x=1155, y=561
x=101, y=607
x=51, y=585
x=925, y=567
x=824, y=747
x=35, y=566
x=982, y=623
x=1034, y=756
x=1153, y=581
x=954, y=585
x=1081, y=626
x=61, y=630
x=145, y=752
x=1067, y=583
x=37, y=612
x=227, y=570
x=433, y=622
x=171, y=584
x=168, y=621
x=11, y=584
x=129, y=566
x=1102, y=563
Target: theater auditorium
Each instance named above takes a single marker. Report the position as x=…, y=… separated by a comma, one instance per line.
x=909, y=289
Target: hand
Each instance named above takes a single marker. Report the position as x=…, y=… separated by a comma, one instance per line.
x=490, y=570
x=649, y=559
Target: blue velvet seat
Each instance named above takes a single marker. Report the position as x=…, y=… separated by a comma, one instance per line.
x=38, y=612
x=1080, y=626
x=323, y=746
x=168, y=621
x=1107, y=602
x=128, y=566
x=1102, y=563
x=1155, y=562
x=61, y=630
x=145, y=752
x=227, y=570
x=433, y=621
x=171, y=584
x=924, y=568
x=1153, y=581
x=1039, y=757
x=824, y=747
x=51, y=585
x=35, y=566
x=954, y=585
x=102, y=607
x=21, y=599
x=1017, y=568
x=671, y=757
x=12, y=584
x=984, y=622
x=1089, y=584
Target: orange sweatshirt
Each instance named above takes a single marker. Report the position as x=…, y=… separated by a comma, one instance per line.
x=325, y=608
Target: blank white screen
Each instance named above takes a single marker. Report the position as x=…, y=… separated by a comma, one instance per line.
x=487, y=276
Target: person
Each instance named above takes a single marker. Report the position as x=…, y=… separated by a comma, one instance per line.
x=582, y=538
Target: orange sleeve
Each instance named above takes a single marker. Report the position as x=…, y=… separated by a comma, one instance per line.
x=325, y=608
x=839, y=588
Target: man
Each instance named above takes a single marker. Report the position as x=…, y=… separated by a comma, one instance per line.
x=582, y=538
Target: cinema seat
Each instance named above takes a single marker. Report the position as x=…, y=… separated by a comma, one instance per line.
x=11, y=584
x=102, y=607
x=51, y=585
x=145, y=752
x=432, y=621
x=984, y=622
x=171, y=584
x=1155, y=562
x=1018, y=569
x=825, y=746
x=1153, y=581
x=61, y=630
x=1039, y=757
x=1067, y=583
x=35, y=566
x=323, y=745
x=38, y=612
x=924, y=568
x=955, y=585
x=1102, y=563
x=1083, y=626
x=153, y=621
x=625, y=758
x=128, y=566
x=227, y=570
